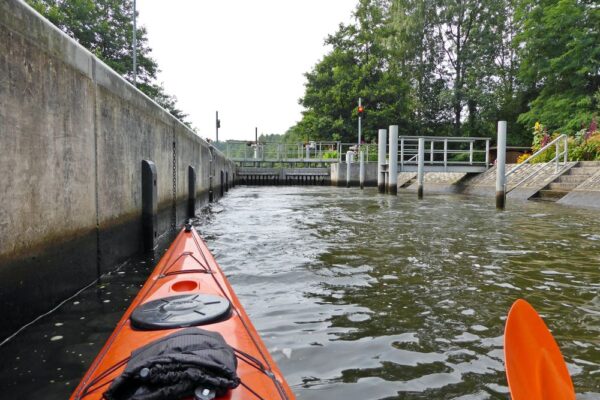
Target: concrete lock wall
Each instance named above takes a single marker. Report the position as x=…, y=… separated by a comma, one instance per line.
x=73, y=135
x=339, y=170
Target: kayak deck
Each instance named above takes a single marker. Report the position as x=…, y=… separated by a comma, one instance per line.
x=187, y=268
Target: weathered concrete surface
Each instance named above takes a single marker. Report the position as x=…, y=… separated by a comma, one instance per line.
x=338, y=174
x=439, y=182
x=485, y=184
x=587, y=194
x=72, y=137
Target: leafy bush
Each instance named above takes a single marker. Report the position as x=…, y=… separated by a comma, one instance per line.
x=330, y=155
x=583, y=146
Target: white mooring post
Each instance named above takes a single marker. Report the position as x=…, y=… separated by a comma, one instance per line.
x=362, y=169
x=349, y=160
x=393, y=161
x=421, y=167
x=501, y=166
x=381, y=164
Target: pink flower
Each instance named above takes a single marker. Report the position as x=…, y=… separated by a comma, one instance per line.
x=593, y=128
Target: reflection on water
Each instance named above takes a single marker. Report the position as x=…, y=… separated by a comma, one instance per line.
x=363, y=296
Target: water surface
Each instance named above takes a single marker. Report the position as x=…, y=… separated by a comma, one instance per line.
x=363, y=296
x=366, y=296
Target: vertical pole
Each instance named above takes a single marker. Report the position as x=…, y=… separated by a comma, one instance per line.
x=362, y=170
x=349, y=157
x=255, y=143
x=191, y=191
x=471, y=152
x=211, y=173
x=487, y=153
x=393, y=161
x=557, y=149
x=402, y=154
x=501, y=166
x=217, y=126
x=432, y=152
x=359, y=123
x=566, y=149
x=381, y=160
x=420, y=167
x=445, y=154
x=149, y=205
x=134, y=44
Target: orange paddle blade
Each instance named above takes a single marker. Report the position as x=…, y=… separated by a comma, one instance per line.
x=535, y=368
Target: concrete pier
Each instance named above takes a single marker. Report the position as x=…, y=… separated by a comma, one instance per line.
x=501, y=166
x=362, y=170
x=392, y=186
x=381, y=161
x=420, y=167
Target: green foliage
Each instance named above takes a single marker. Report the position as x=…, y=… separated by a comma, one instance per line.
x=560, y=61
x=456, y=67
x=583, y=146
x=105, y=27
x=358, y=66
x=330, y=155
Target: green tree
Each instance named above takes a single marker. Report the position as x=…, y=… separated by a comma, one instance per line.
x=358, y=66
x=559, y=61
x=417, y=55
x=105, y=28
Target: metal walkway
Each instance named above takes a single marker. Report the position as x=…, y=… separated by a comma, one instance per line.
x=442, y=154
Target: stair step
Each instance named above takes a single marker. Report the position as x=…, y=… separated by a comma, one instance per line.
x=408, y=183
x=572, y=178
x=563, y=186
x=583, y=171
x=551, y=195
x=589, y=164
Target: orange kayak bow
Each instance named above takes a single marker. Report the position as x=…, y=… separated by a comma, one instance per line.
x=535, y=367
x=189, y=270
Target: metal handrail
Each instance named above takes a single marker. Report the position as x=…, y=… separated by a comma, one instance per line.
x=556, y=161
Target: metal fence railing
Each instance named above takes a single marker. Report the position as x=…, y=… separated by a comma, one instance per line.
x=242, y=151
x=439, y=150
x=560, y=160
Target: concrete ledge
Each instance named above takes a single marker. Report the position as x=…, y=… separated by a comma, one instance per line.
x=580, y=198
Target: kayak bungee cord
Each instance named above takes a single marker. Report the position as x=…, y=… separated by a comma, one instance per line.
x=87, y=390
x=258, y=365
x=268, y=371
x=205, y=268
x=232, y=306
x=240, y=355
x=119, y=327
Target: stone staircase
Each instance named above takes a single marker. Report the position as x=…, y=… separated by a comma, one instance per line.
x=568, y=181
x=408, y=182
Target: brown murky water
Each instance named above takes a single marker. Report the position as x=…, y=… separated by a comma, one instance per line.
x=363, y=296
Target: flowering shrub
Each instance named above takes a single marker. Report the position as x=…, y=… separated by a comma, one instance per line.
x=584, y=146
x=523, y=157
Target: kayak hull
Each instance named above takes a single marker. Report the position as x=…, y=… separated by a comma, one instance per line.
x=187, y=267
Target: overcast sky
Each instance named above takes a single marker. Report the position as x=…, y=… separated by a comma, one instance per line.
x=244, y=58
